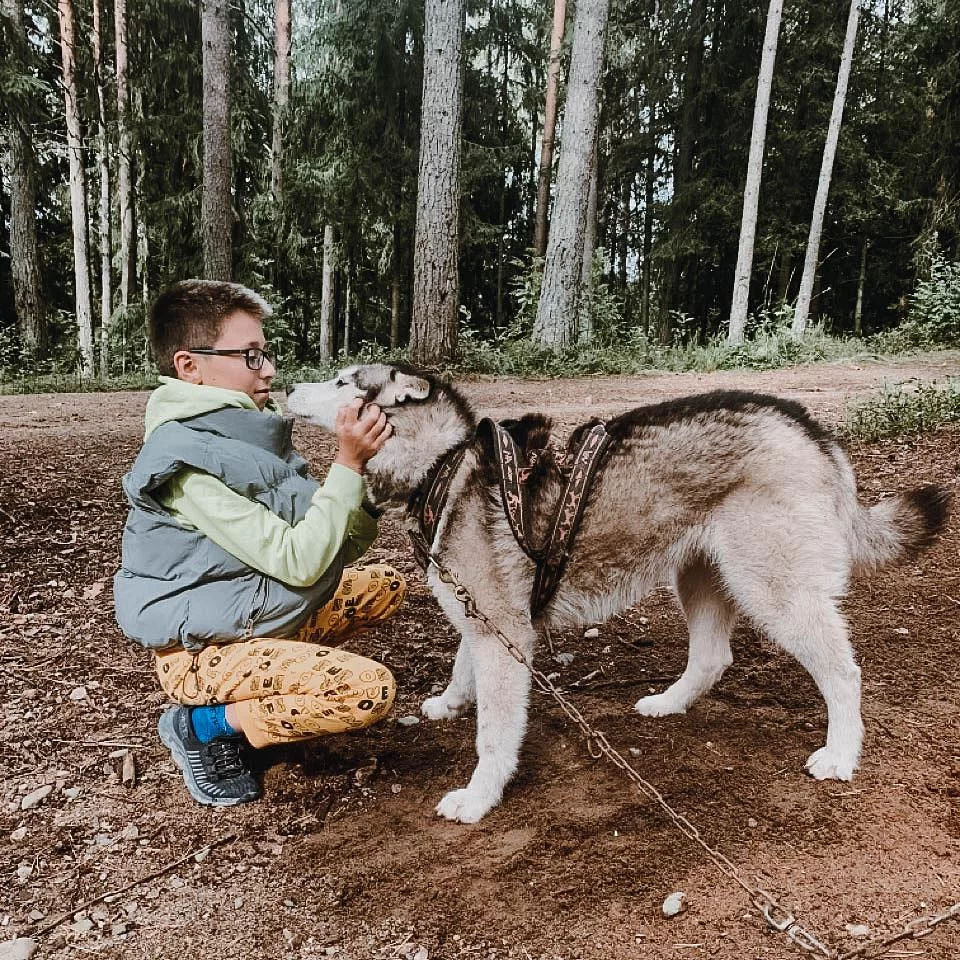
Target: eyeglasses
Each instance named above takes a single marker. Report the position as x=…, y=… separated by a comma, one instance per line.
x=253, y=356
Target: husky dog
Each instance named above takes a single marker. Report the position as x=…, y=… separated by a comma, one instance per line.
x=742, y=502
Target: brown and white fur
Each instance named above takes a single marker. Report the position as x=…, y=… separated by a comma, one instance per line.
x=741, y=502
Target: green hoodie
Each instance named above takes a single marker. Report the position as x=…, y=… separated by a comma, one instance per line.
x=296, y=555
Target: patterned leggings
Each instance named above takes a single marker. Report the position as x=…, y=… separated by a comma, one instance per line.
x=303, y=687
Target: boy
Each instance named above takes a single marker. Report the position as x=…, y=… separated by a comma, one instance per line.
x=235, y=560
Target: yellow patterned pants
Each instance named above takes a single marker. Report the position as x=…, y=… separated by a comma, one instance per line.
x=305, y=686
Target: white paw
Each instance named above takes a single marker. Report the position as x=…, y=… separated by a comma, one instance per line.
x=437, y=708
x=827, y=764
x=465, y=806
x=659, y=705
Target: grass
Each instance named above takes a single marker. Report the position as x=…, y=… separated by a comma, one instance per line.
x=904, y=410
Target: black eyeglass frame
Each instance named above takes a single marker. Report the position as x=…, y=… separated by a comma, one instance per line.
x=252, y=356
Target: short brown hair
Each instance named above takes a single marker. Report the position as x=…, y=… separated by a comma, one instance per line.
x=190, y=313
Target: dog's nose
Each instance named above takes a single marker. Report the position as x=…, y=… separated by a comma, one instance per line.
x=289, y=388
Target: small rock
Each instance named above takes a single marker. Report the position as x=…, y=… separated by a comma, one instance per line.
x=201, y=855
x=153, y=892
x=673, y=904
x=118, y=929
x=17, y=835
x=20, y=949
x=395, y=788
x=421, y=954
x=634, y=752
x=564, y=659
x=31, y=693
x=857, y=930
x=751, y=823
x=591, y=634
x=103, y=840
x=34, y=799
x=130, y=832
x=289, y=903
x=902, y=631
x=238, y=903
x=643, y=620
x=99, y=914
x=36, y=915
x=131, y=907
x=408, y=721
x=176, y=883
x=78, y=693
x=71, y=793
x=24, y=871
x=84, y=925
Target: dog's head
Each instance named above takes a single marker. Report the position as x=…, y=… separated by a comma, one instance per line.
x=386, y=386
x=428, y=418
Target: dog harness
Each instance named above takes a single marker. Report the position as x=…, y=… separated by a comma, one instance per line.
x=550, y=558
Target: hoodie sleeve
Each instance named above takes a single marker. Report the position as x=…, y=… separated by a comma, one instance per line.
x=296, y=554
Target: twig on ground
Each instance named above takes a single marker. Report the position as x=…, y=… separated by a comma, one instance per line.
x=206, y=848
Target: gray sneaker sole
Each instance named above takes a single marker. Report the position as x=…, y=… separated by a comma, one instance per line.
x=171, y=741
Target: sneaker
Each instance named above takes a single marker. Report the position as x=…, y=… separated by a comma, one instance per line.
x=214, y=772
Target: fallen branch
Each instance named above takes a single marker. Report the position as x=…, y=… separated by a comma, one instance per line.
x=136, y=883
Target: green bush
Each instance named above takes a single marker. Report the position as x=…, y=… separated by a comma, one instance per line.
x=904, y=409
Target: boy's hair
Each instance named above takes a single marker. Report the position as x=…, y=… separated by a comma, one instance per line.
x=190, y=313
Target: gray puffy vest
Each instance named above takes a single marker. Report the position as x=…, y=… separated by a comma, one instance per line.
x=176, y=586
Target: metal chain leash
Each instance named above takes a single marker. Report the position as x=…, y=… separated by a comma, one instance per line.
x=776, y=916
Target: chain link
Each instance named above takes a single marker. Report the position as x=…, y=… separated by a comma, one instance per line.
x=776, y=916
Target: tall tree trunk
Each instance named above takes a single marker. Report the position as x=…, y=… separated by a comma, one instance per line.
x=24, y=252
x=751, y=192
x=549, y=127
x=585, y=327
x=861, y=283
x=505, y=108
x=281, y=93
x=345, y=346
x=826, y=171
x=563, y=267
x=649, y=175
x=128, y=251
x=436, y=289
x=106, y=280
x=217, y=215
x=78, y=188
x=683, y=163
x=786, y=275
x=326, y=296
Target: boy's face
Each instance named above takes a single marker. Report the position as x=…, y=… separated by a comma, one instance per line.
x=238, y=331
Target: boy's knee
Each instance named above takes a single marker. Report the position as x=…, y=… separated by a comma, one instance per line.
x=379, y=701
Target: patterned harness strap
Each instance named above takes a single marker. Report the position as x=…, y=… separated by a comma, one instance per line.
x=551, y=558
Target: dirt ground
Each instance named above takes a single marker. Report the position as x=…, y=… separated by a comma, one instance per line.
x=344, y=856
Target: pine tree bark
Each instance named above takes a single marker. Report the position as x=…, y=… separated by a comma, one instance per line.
x=751, y=192
x=436, y=286
x=78, y=188
x=217, y=214
x=549, y=127
x=326, y=296
x=556, y=321
x=24, y=251
x=124, y=161
x=585, y=327
x=648, y=179
x=106, y=279
x=281, y=93
x=826, y=171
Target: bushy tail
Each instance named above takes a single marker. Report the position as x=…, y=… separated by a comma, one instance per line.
x=899, y=528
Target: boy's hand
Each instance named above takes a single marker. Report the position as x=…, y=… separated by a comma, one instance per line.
x=360, y=436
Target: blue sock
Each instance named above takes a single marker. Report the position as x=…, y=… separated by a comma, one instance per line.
x=210, y=722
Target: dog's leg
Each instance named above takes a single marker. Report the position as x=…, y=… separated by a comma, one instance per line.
x=503, y=687
x=808, y=625
x=710, y=620
x=460, y=693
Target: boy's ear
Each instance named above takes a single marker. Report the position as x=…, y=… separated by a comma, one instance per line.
x=186, y=367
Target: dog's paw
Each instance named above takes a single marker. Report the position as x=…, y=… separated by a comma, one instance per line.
x=659, y=705
x=465, y=806
x=437, y=708
x=827, y=764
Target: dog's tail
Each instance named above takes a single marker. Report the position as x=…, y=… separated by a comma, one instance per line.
x=899, y=527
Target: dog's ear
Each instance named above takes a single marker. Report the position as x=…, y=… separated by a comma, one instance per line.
x=403, y=387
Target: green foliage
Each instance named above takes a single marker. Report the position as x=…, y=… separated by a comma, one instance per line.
x=904, y=409
x=935, y=304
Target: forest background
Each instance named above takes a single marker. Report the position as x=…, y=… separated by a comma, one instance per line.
x=384, y=172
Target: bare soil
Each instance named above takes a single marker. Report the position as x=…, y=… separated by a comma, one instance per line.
x=344, y=856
